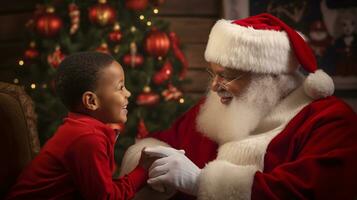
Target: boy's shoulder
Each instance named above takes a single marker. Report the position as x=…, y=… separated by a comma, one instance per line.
x=74, y=132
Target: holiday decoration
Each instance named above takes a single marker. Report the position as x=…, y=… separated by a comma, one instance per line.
x=179, y=54
x=157, y=43
x=171, y=93
x=320, y=39
x=103, y=48
x=142, y=130
x=164, y=74
x=49, y=24
x=102, y=14
x=39, y=11
x=32, y=52
x=157, y=2
x=151, y=58
x=56, y=57
x=147, y=98
x=136, y=5
x=116, y=35
x=133, y=59
x=74, y=14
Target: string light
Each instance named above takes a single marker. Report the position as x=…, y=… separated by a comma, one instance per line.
x=21, y=62
x=33, y=86
x=133, y=29
x=16, y=81
x=182, y=100
x=44, y=86
x=159, y=58
x=141, y=17
x=156, y=10
x=148, y=23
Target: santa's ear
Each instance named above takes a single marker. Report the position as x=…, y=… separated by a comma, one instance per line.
x=90, y=100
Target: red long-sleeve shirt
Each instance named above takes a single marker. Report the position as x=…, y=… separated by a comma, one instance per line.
x=77, y=163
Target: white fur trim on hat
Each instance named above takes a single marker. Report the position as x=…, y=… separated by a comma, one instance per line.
x=224, y=180
x=132, y=155
x=318, y=85
x=248, y=49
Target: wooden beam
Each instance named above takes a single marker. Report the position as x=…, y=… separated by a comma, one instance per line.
x=14, y=26
x=195, y=55
x=16, y=6
x=190, y=8
x=198, y=81
x=191, y=29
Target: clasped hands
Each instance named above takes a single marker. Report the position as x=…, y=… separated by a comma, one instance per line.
x=170, y=168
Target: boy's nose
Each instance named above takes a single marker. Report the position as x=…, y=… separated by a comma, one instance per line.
x=128, y=93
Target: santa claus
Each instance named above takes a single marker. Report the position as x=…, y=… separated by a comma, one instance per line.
x=264, y=131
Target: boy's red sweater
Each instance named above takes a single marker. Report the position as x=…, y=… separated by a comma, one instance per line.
x=77, y=162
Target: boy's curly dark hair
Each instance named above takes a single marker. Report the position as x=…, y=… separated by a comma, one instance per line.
x=77, y=74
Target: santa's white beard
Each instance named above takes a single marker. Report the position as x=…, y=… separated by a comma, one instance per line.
x=237, y=120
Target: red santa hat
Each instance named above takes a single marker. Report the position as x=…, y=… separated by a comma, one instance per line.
x=265, y=44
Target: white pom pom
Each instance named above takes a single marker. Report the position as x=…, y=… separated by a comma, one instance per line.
x=318, y=85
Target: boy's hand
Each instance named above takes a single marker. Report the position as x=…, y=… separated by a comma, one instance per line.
x=146, y=160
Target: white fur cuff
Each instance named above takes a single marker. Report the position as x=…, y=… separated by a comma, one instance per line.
x=132, y=155
x=224, y=180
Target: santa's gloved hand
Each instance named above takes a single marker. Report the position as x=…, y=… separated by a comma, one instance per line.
x=175, y=170
x=161, y=151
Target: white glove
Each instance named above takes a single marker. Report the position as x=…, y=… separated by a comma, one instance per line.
x=174, y=170
x=161, y=151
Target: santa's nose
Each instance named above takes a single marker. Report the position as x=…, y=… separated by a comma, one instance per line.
x=215, y=85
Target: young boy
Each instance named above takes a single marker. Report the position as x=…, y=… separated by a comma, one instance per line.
x=77, y=162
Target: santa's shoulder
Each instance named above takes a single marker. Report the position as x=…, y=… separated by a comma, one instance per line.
x=332, y=104
x=328, y=110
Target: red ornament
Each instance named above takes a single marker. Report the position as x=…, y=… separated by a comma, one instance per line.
x=179, y=54
x=103, y=48
x=74, y=14
x=147, y=98
x=116, y=35
x=142, y=130
x=39, y=11
x=157, y=43
x=164, y=74
x=133, y=59
x=56, y=57
x=102, y=13
x=31, y=53
x=136, y=5
x=49, y=24
x=157, y=2
x=171, y=93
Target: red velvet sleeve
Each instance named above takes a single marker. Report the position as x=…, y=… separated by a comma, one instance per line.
x=89, y=165
x=323, y=165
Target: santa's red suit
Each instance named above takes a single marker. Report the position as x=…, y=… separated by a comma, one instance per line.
x=303, y=149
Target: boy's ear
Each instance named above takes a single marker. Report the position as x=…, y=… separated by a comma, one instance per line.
x=90, y=100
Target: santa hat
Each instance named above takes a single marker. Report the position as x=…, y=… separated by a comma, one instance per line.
x=265, y=44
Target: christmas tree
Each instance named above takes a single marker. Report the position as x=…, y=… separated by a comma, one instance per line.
x=129, y=30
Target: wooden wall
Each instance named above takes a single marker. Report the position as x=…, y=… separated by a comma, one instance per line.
x=191, y=20
x=13, y=16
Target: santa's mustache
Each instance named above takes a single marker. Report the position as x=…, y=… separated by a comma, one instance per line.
x=224, y=93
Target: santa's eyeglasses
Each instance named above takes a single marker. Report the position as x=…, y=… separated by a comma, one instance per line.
x=222, y=79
